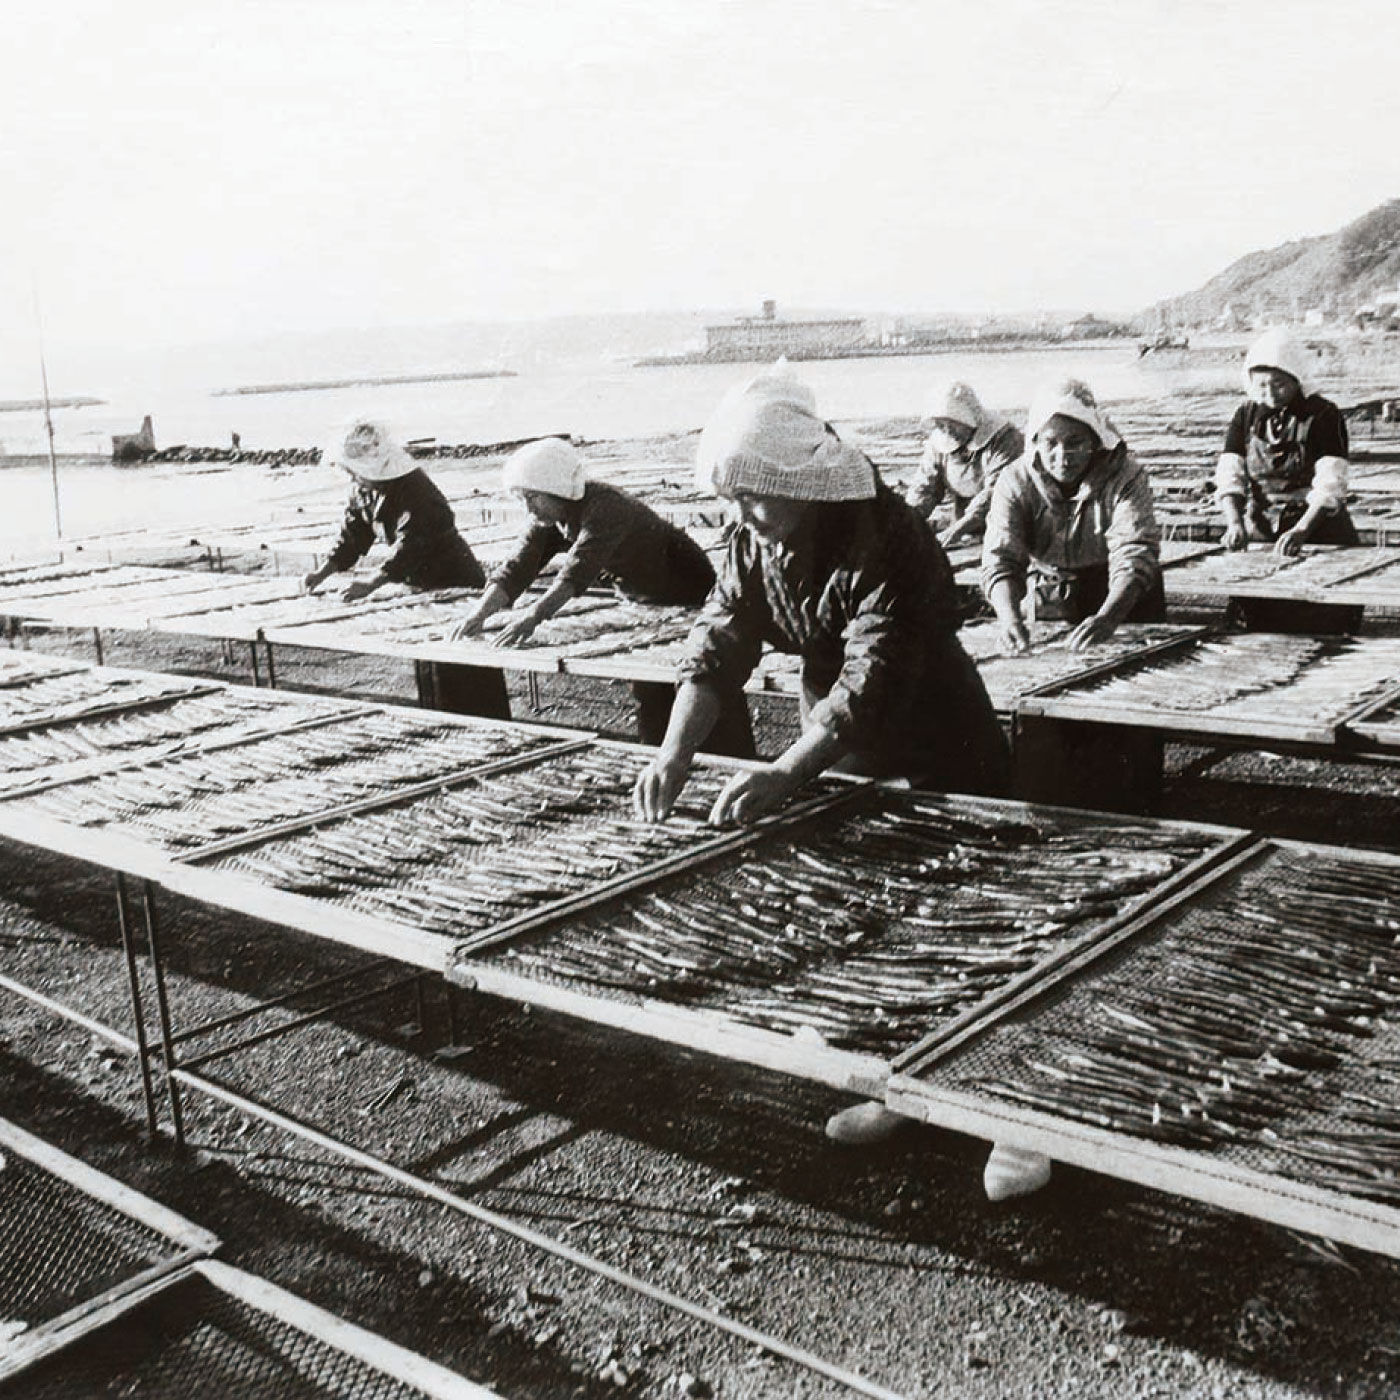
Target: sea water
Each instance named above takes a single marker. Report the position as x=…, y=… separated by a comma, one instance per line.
x=589, y=397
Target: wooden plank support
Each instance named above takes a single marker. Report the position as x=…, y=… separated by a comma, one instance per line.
x=368, y=1348
x=1159, y=1166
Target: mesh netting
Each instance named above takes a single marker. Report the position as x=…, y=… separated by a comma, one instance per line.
x=1009, y=675
x=1258, y=565
x=60, y=1247
x=192, y=1340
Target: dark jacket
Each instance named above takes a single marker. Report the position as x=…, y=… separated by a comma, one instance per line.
x=412, y=513
x=616, y=538
x=1282, y=447
x=866, y=598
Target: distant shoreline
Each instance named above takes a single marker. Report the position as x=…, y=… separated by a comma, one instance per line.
x=33, y=405
x=312, y=385
x=884, y=352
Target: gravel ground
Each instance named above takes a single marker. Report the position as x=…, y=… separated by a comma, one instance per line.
x=697, y=1175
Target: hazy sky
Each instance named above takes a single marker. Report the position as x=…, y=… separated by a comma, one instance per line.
x=211, y=169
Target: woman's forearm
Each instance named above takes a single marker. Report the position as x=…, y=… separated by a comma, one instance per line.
x=552, y=600
x=1122, y=599
x=1005, y=598
x=1308, y=520
x=813, y=752
x=693, y=715
x=495, y=599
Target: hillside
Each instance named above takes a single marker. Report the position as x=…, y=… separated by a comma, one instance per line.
x=1337, y=271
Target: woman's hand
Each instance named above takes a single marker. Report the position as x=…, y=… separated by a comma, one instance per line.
x=748, y=796
x=1013, y=634
x=1236, y=535
x=469, y=626
x=1091, y=631
x=1290, y=542
x=518, y=630
x=360, y=588
x=657, y=787
x=314, y=579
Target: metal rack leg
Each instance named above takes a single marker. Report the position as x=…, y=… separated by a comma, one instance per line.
x=253, y=657
x=420, y=1007
x=167, y=1039
x=271, y=668
x=97, y=643
x=143, y=1052
x=450, y=992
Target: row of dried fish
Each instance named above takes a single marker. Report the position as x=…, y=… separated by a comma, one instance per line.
x=1258, y=1024
x=1010, y=675
x=54, y=583
x=1311, y=569
x=462, y=859
x=868, y=933
x=192, y=799
x=221, y=714
x=1344, y=677
x=50, y=699
x=1212, y=673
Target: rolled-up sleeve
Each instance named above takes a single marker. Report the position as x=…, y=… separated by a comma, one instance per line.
x=539, y=544
x=1231, y=476
x=1329, y=484
x=1132, y=535
x=1331, y=469
x=1006, y=540
x=725, y=643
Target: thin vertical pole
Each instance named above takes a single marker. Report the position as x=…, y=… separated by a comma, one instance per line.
x=143, y=1052
x=167, y=1039
x=48, y=419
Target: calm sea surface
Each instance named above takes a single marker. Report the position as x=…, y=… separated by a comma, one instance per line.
x=597, y=400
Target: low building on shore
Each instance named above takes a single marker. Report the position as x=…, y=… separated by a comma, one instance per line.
x=134, y=447
x=768, y=336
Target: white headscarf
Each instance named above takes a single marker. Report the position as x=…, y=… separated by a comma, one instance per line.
x=766, y=438
x=369, y=450
x=1071, y=398
x=547, y=464
x=959, y=403
x=1277, y=349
